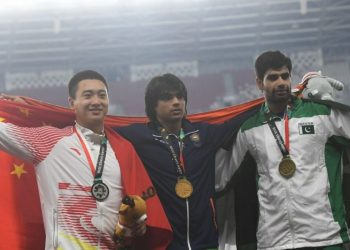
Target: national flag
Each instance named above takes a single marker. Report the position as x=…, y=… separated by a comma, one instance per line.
x=21, y=226
x=306, y=129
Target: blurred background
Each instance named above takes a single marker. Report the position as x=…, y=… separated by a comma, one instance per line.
x=210, y=44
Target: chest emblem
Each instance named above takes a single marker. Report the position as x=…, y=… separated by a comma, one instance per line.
x=76, y=150
x=306, y=128
x=195, y=137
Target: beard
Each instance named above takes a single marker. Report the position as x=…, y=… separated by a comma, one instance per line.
x=280, y=95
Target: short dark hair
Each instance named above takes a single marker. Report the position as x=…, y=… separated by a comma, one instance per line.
x=83, y=75
x=158, y=86
x=271, y=60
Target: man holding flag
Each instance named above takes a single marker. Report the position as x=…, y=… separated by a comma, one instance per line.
x=83, y=171
x=297, y=146
x=166, y=107
x=179, y=156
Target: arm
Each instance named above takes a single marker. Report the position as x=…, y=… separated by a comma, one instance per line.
x=224, y=133
x=31, y=144
x=339, y=125
x=227, y=162
x=12, y=143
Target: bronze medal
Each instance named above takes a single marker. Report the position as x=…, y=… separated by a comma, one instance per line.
x=183, y=188
x=287, y=167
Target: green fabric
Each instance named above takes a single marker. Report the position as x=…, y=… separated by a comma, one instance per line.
x=251, y=246
x=333, y=247
x=333, y=158
x=309, y=109
x=299, y=109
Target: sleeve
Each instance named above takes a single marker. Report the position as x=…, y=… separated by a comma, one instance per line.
x=128, y=132
x=227, y=162
x=347, y=161
x=12, y=143
x=339, y=125
x=31, y=144
x=222, y=133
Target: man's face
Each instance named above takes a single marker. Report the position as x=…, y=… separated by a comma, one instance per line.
x=170, y=107
x=276, y=85
x=90, y=103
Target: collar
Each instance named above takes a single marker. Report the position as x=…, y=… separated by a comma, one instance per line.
x=186, y=126
x=89, y=135
x=294, y=103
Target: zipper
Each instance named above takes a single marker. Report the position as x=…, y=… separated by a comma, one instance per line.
x=100, y=212
x=288, y=199
x=55, y=229
x=188, y=225
x=180, y=139
x=289, y=214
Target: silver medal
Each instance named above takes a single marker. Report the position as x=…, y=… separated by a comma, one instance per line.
x=100, y=191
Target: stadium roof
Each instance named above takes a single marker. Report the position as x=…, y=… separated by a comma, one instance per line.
x=116, y=34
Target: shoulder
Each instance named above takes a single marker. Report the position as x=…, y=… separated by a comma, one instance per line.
x=310, y=108
x=193, y=125
x=329, y=104
x=255, y=120
x=43, y=131
x=133, y=132
x=132, y=128
x=62, y=131
x=119, y=143
x=201, y=128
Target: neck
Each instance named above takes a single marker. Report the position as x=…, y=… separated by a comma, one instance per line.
x=96, y=128
x=277, y=108
x=172, y=127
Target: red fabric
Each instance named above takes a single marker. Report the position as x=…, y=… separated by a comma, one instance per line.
x=21, y=226
x=136, y=181
x=215, y=116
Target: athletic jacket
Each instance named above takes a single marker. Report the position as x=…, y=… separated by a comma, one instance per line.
x=306, y=210
x=73, y=219
x=192, y=220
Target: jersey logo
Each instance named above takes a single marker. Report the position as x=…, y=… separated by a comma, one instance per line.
x=76, y=150
x=306, y=128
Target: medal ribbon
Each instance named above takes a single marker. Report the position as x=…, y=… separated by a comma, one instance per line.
x=101, y=157
x=283, y=147
x=178, y=162
x=286, y=130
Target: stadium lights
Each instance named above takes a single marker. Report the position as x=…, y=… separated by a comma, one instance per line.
x=29, y=5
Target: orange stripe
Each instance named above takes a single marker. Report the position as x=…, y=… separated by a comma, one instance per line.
x=213, y=209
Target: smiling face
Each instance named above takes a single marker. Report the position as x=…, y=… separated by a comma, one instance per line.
x=170, y=108
x=90, y=104
x=276, y=85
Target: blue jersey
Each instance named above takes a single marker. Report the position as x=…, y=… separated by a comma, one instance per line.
x=192, y=219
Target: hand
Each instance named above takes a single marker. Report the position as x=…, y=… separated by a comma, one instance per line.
x=13, y=98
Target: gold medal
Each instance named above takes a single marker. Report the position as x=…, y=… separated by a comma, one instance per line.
x=287, y=167
x=183, y=188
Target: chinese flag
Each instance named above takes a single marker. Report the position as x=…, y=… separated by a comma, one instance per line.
x=21, y=226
